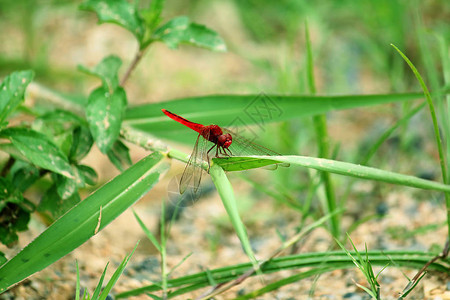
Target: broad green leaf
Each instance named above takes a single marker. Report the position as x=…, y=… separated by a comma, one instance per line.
x=12, y=91
x=333, y=166
x=84, y=220
x=82, y=141
x=54, y=204
x=2, y=258
x=104, y=113
x=62, y=128
x=243, y=110
x=8, y=193
x=23, y=175
x=107, y=71
x=13, y=217
x=119, y=155
x=66, y=187
x=119, y=12
x=88, y=174
x=181, y=30
x=39, y=150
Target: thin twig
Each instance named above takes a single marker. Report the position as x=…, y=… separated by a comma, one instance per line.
x=132, y=66
x=419, y=275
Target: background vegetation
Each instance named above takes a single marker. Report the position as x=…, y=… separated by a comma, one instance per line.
x=317, y=82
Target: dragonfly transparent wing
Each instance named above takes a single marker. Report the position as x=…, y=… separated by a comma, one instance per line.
x=193, y=168
x=242, y=146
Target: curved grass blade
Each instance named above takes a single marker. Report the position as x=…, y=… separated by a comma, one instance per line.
x=332, y=166
x=84, y=220
x=326, y=261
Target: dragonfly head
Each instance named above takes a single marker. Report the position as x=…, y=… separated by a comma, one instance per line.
x=225, y=140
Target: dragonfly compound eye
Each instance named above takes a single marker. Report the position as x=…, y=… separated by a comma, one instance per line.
x=227, y=140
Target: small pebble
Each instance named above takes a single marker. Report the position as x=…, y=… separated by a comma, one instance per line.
x=352, y=296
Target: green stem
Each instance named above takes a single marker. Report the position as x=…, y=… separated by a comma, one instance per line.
x=320, y=125
x=164, y=273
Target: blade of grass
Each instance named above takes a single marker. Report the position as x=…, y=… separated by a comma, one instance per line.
x=337, y=167
x=116, y=275
x=293, y=240
x=98, y=288
x=163, y=253
x=147, y=232
x=80, y=223
x=331, y=259
x=443, y=49
x=226, y=193
x=77, y=287
x=388, y=133
x=149, y=119
x=442, y=160
x=320, y=126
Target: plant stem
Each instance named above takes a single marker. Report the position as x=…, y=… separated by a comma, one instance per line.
x=163, y=252
x=132, y=66
x=320, y=125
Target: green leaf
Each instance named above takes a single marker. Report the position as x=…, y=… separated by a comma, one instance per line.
x=119, y=12
x=63, y=127
x=148, y=233
x=152, y=15
x=88, y=175
x=23, y=175
x=12, y=91
x=39, y=150
x=82, y=141
x=84, y=220
x=13, y=217
x=318, y=262
x=65, y=187
x=119, y=155
x=181, y=30
x=54, y=204
x=226, y=193
x=2, y=258
x=104, y=113
x=242, y=110
x=116, y=275
x=333, y=166
x=107, y=71
x=99, y=286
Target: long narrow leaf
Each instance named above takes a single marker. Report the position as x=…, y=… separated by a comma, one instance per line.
x=84, y=220
x=327, y=261
x=332, y=166
x=242, y=110
x=226, y=193
x=116, y=275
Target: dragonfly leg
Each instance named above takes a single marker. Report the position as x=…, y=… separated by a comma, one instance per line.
x=226, y=153
x=207, y=157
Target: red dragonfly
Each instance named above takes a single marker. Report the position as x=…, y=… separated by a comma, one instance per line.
x=222, y=139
